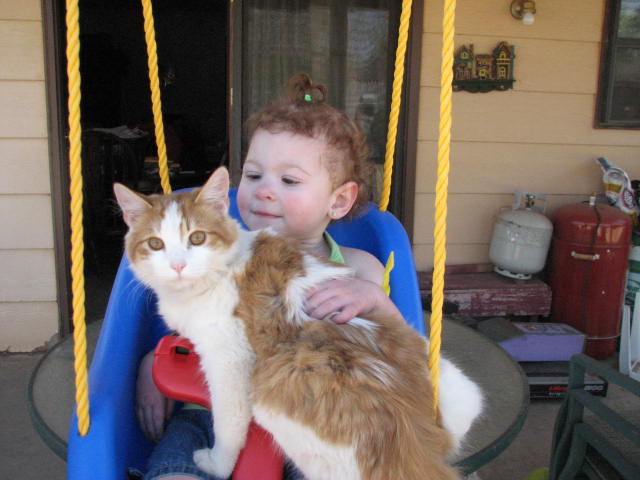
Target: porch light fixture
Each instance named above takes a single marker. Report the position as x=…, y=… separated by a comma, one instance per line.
x=524, y=10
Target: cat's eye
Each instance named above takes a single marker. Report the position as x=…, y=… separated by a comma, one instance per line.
x=155, y=243
x=197, y=238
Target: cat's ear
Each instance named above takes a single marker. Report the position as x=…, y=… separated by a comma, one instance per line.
x=216, y=191
x=131, y=203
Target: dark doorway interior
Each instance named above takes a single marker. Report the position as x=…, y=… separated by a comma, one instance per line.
x=117, y=118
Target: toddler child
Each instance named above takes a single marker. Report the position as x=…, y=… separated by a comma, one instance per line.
x=306, y=166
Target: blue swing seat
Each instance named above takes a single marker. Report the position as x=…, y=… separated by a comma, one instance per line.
x=132, y=327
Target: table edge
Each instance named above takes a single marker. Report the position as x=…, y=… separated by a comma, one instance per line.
x=50, y=438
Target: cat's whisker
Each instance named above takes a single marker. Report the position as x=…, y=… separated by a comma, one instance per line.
x=133, y=286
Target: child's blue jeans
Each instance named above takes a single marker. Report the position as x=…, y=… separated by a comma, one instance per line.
x=187, y=431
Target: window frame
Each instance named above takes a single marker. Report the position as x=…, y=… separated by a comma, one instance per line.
x=610, y=44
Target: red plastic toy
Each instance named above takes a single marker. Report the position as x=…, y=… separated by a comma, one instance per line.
x=176, y=372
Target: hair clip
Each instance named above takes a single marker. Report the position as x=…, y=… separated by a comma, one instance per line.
x=307, y=97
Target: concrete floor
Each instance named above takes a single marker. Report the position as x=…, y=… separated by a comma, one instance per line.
x=532, y=447
x=23, y=455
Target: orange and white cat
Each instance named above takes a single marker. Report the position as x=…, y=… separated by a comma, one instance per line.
x=349, y=401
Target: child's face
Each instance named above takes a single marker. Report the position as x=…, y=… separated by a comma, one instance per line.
x=285, y=185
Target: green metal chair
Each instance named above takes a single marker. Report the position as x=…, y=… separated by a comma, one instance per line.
x=601, y=442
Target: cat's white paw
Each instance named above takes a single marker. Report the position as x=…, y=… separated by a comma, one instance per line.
x=215, y=462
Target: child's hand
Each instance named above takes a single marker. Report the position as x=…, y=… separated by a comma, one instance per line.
x=342, y=300
x=152, y=407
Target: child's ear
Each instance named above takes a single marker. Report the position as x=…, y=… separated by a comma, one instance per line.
x=343, y=199
x=132, y=204
x=216, y=190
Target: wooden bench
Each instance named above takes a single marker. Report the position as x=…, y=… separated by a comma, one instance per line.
x=477, y=291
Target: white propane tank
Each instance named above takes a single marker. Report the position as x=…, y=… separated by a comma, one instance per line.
x=521, y=237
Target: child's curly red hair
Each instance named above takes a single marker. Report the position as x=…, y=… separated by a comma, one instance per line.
x=303, y=111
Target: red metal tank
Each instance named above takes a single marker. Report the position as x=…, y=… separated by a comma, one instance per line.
x=589, y=259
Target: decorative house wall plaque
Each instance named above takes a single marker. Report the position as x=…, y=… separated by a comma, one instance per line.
x=483, y=72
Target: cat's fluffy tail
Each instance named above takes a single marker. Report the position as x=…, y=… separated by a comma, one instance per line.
x=460, y=401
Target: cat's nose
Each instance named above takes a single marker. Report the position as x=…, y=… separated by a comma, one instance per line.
x=178, y=266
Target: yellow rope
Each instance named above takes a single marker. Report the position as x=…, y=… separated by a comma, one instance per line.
x=77, y=231
x=443, y=167
x=152, y=60
x=396, y=94
x=386, y=277
x=440, y=236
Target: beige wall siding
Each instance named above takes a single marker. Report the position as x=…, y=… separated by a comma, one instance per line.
x=28, y=309
x=21, y=49
x=22, y=10
x=537, y=137
x=24, y=165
